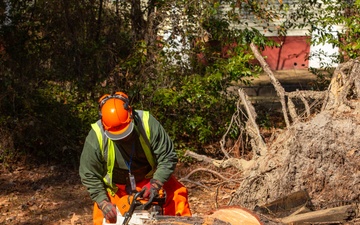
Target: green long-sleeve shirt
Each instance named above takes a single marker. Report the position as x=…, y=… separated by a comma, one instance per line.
x=130, y=152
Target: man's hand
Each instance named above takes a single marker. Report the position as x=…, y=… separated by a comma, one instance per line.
x=152, y=188
x=109, y=210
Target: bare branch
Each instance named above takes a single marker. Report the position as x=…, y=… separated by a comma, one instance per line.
x=292, y=110
x=223, y=139
x=260, y=148
x=280, y=91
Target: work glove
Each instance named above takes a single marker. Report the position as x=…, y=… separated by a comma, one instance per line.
x=109, y=210
x=152, y=188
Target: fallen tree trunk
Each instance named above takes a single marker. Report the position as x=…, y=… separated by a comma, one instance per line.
x=318, y=152
x=320, y=155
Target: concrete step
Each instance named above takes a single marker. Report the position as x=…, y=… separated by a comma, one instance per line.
x=261, y=87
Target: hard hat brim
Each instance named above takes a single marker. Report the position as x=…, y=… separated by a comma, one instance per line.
x=121, y=134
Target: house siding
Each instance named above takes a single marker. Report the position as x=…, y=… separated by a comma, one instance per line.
x=295, y=51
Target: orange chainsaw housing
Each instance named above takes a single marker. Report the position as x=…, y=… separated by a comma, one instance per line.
x=125, y=201
x=124, y=204
x=176, y=202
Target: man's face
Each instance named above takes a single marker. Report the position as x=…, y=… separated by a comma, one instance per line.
x=128, y=138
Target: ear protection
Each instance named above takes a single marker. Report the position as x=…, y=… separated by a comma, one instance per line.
x=119, y=95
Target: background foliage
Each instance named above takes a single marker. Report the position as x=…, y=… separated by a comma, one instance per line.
x=334, y=22
x=175, y=58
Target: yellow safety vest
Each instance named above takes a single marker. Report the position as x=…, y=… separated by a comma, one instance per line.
x=107, y=148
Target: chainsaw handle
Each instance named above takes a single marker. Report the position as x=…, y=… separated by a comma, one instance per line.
x=129, y=213
x=151, y=199
x=139, y=194
x=159, y=198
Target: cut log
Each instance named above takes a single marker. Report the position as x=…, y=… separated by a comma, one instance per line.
x=286, y=205
x=332, y=215
x=232, y=215
x=236, y=215
x=181, y=220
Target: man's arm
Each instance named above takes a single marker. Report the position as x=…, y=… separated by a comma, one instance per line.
x=92, y=168
x=163, y=149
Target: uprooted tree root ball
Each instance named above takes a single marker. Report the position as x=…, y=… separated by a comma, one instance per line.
x=318, y=151
x=321, y=156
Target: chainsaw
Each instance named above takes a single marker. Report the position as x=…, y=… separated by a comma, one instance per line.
x=134, y=210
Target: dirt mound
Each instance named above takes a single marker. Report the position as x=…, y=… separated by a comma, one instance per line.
x=321, y=156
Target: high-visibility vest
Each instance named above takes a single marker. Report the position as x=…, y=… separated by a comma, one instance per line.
x=107, y=148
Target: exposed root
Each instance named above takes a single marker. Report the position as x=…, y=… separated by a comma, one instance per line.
x=239, y=164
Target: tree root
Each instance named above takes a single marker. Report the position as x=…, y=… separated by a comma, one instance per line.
x=239, y=164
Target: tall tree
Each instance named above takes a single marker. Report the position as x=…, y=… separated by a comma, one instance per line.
x=176, y=58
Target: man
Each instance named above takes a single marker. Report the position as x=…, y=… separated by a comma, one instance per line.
x=125, y=151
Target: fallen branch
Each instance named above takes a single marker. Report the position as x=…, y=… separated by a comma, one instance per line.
x=239, y=164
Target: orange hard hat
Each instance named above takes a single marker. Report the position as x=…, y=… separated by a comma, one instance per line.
x=116, y=115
